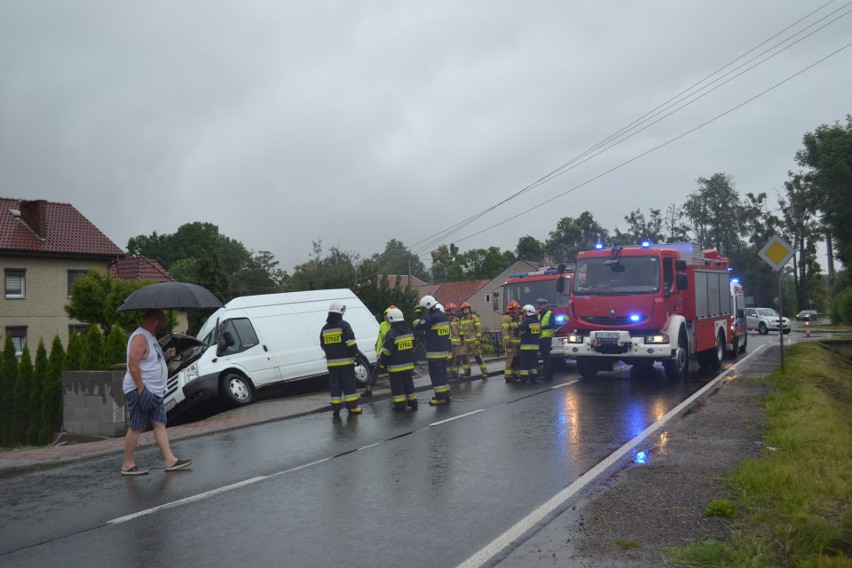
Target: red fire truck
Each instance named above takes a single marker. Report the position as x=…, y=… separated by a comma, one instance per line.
x=650, y=302
x=528, y=287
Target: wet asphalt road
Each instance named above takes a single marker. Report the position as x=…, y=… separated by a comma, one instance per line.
x=425, y=488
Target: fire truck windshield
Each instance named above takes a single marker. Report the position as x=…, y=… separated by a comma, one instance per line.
x=630, y=275
x=528, y=291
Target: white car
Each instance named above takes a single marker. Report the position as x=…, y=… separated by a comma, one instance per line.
x=765, y=320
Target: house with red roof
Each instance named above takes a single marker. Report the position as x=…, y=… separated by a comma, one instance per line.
x=482, y=295
x=44, y=247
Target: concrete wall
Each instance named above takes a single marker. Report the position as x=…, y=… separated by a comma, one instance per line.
x=93, y=403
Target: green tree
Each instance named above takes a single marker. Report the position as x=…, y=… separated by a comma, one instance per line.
x=96, y=297
x=574, y=235
x=8, y=376
x=37, y=428
x=93, y=349
x=714, y=212
x=801, y=226
x=116, y=347
x=529, y=248
x=52, y=400
x=73, y=360
x=827, y=153
x=337, y=269
x=397, y=259
x=639, y=228
x=442, y=258
x=674, y=227
x=485, y=263
x=21, y=410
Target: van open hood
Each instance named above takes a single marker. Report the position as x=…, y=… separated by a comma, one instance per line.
x=187, y=349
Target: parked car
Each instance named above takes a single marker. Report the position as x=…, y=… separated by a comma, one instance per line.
x=806, y=315
x=765, y=320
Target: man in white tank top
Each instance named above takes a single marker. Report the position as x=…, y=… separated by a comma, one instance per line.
x=144, y=385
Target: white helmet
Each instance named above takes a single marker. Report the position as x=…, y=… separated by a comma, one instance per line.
x=529, y=310
x=440, y=307
x=395, y=315
x=428, y=302
x=337, y=307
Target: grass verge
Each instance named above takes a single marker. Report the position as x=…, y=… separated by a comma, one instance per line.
x=794, y=504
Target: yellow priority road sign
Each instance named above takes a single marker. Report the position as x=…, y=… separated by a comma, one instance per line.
x=777, y=252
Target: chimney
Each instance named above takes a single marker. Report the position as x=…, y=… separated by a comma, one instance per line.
x=34, y=214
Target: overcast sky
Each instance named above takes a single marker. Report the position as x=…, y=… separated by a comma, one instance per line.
x=356, y=122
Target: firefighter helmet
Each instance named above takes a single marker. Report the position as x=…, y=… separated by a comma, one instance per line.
x=529, y=310
x=395, y=315
x=440, y=307
x=337, y=308
x=428, y=302
x=512, y=306
x=464, y=305
x=451, y=308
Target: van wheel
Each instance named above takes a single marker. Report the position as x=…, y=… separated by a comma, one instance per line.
x=362, y=370
x=236, y=390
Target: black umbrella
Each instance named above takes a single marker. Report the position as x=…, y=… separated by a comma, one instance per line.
x=171, y=296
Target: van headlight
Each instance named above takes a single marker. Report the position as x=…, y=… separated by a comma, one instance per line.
x=659, y=339
x=191, y=372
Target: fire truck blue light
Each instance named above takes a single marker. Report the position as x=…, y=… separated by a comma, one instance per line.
x=635, y=317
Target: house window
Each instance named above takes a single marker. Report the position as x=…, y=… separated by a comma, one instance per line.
x=79, y=329
x=19, y=337
x=487, y=298
x=16, y=283
x=72, y=277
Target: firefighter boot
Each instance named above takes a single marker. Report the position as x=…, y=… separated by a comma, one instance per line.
x=356, y=410
x=399, y=406
x=438, y=402
x=412, y=404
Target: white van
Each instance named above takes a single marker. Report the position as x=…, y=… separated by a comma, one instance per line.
x=257, y=341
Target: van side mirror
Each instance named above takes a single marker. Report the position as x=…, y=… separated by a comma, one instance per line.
x=225, y=340
x=680, y=265
x=681, y=281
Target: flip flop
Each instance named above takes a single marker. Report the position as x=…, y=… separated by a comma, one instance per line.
x=135, y=470
x=180, y=464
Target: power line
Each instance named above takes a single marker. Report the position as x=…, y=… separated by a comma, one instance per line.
x=608, y=143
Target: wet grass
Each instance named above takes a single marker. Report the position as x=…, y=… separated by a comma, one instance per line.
x=793, y=505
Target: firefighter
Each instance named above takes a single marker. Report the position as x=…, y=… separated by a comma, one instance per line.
x=338, y=342
x=548, y=326
x=383, y=329
x=397, y=355
x=455, y=340
x=436, y=328
x=471, y=338
x=511, y=341
x=530, y=331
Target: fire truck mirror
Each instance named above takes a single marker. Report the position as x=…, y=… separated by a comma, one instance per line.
x=560, y=285
x=680, y=265
x=561, y=268
x=681, y=281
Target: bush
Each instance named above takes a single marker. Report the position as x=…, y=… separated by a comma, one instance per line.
x=843, y=306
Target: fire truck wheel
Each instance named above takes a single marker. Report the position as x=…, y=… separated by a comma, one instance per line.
x=714, y=358
x=586, y=368
x=735, y=348
x=678, y=367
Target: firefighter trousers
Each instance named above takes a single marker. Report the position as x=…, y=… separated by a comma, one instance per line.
x=341, y=383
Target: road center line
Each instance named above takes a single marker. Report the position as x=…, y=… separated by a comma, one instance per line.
x=456, y=417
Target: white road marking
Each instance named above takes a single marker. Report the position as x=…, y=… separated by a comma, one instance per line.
x=456, y=417
x=503, y=541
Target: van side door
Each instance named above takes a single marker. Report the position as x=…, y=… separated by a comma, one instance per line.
x=247, y=353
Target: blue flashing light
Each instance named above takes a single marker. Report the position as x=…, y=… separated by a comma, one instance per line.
x=560, y=318
x=635, y=317
x=646, y=244
x=735, y=280
x=641, y=458
x=599, y=246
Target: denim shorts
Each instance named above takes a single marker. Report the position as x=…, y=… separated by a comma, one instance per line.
x=145, y=409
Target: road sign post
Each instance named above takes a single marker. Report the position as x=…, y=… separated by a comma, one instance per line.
x=777, y=252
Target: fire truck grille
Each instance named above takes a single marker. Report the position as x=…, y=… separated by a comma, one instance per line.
x=606, y=320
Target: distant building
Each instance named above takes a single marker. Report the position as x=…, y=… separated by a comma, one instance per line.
x=44, y=247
